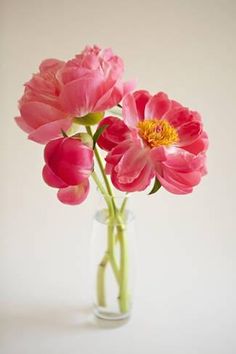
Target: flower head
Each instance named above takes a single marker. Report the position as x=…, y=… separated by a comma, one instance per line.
x=79, y=90
x=69, y=163
x=161, y=139
x=92, y=82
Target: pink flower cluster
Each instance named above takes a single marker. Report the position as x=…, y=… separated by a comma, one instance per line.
x=155, y=137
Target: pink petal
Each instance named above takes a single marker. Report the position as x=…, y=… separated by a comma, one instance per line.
x=50, y=131
x=115, y=133
x=182, y=161
x=109, y=98
x=80, y=96
x=105, y=144
x=107, y=54
x=50, y=64
x=198, y=146
x=71, y=73
x=174, y=182
x=141, y=182
x=203, y=169
x=141, y=99
x=172, y=187
x=180, y=116
x=51, y=179
x=36, y=114
x=71, y=176
x=129, y=111
x=131, y=164
x=177, y=116
x=50, y=150
x=157, y=106
x=189, y=179
x=76, y=153
x=157, y=154
x=129, y=86
x=74, y=195
x=42, y=90
x=180, y=171
x=175, y=104
x=112, y=63
x=188, y=133
x=23, y=125
x=108, y=168
x=114, y=156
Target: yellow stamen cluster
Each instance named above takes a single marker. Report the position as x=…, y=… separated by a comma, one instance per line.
x=157, y=132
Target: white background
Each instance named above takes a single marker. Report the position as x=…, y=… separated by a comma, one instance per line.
x=185, y=296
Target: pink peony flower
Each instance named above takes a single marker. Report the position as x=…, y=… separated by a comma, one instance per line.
x=161, y=139
x=92, y=82
x=69, y=164
x=42, y=115
x=89, y=83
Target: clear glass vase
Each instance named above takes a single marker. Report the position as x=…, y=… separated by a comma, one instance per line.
x=112, y=258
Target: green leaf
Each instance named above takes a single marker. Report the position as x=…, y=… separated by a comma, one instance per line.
x=156, y=187
x=64, y=133
x=98, y=132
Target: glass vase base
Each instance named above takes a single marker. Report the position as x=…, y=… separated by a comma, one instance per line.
x=103, y=314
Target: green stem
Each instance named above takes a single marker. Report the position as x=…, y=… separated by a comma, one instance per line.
x=115, y=218
x=124, y=266
x=108, y=257
x=101, y=295
x=111, y=253
x=103, y=192
x=101, y=167
x=123, y=205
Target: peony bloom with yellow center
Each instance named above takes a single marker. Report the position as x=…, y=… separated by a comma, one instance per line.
x=157, y=138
